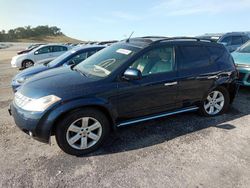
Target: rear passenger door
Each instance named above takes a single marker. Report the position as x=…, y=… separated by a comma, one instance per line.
x=58, y=50
x=196, y=73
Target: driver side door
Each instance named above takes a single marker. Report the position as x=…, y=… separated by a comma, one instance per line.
x=156, y=91
x=42, y=53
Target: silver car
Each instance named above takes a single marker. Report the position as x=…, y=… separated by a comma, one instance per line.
x=39, y=55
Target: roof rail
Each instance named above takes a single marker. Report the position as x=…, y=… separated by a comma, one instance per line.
x=180, y=38
x=153, y=37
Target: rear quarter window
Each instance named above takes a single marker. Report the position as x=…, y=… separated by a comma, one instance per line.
x=221, y=57
x=192, y=57
x=215, y=52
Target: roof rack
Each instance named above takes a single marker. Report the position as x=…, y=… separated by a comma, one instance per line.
x=180, y=38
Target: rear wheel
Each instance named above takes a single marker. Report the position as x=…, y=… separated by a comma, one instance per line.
x=82, y=132
x=216, y=103
x=28, y=63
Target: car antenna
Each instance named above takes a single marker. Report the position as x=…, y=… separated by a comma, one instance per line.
x=130, y=36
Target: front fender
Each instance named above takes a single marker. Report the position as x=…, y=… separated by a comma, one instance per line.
x=49, y=119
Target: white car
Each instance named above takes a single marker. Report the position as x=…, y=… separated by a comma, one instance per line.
x=39, y=55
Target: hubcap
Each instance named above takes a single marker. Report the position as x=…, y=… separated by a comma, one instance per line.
x=84, y=133
x=214, y=102
x=28, y=64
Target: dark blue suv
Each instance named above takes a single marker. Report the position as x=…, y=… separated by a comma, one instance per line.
x=132, y=81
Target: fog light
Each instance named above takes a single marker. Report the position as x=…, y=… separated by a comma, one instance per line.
x=30, y=133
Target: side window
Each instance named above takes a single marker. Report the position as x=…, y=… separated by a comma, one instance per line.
x=245, y=39
x=59, y=48
x=155, y=61
x=78, y=58
x=227, y=40
x=236, y=40
x=215, y=52
x=90, y=53
x=191, y=57
x=43, y=50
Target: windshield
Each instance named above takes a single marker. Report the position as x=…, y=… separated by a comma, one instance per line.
x=106, y=61
x=245, y=48
x=60, y=58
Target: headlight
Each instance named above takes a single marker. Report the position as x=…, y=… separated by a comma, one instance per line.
x=35, y=105
x=21, y=80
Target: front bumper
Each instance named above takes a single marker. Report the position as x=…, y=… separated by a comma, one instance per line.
x=244, y=77
x=31, y=123
x=13, y=63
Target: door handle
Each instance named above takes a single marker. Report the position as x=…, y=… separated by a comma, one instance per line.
x=170, y=83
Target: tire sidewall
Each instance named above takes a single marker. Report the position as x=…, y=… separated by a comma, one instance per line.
x=225, y=93
x=24, y=63
x=62, y=127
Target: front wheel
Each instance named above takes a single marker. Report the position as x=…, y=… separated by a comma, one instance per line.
x=27, y=64
x=216, y=102
x=82, y=132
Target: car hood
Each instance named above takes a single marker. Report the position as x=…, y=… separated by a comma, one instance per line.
x=241, y=58
x=62, y=82
x=32, y=71
x=20, y=56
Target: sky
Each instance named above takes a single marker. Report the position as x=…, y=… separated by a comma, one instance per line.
x=116, y=19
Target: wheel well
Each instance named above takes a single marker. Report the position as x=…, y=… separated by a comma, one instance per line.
x=25, y=61
x=232, y=90
x=96, y=107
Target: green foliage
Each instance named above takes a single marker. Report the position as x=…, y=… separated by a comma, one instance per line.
x=28, y=31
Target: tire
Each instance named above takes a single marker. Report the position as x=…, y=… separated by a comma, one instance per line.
x=27, y=64
x=71, y=137
x=215, y=103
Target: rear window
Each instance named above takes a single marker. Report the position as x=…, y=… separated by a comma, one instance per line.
x=193, y=57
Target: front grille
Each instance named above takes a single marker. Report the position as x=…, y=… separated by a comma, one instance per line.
x=241, y=76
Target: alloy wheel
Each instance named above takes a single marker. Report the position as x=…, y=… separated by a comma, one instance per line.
x=84, y=133
x=28, y=64
x=214, y=103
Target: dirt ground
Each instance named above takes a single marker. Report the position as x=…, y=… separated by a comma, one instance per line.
x=185, y=150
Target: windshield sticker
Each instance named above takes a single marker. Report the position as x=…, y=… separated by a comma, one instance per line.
x=123, y=51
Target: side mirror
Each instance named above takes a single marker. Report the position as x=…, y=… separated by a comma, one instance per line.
x=36, y=52
x=132, y=74
x=70, y=62
x=224, y=43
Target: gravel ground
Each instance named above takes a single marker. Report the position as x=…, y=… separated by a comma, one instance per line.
x=180, y=151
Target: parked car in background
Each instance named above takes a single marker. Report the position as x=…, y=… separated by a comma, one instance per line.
x=242, y=61
x=48, y=52
x=108, y=43
x=29, y=48
x=71, y=57
x=128, y=82
x=231, y=41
